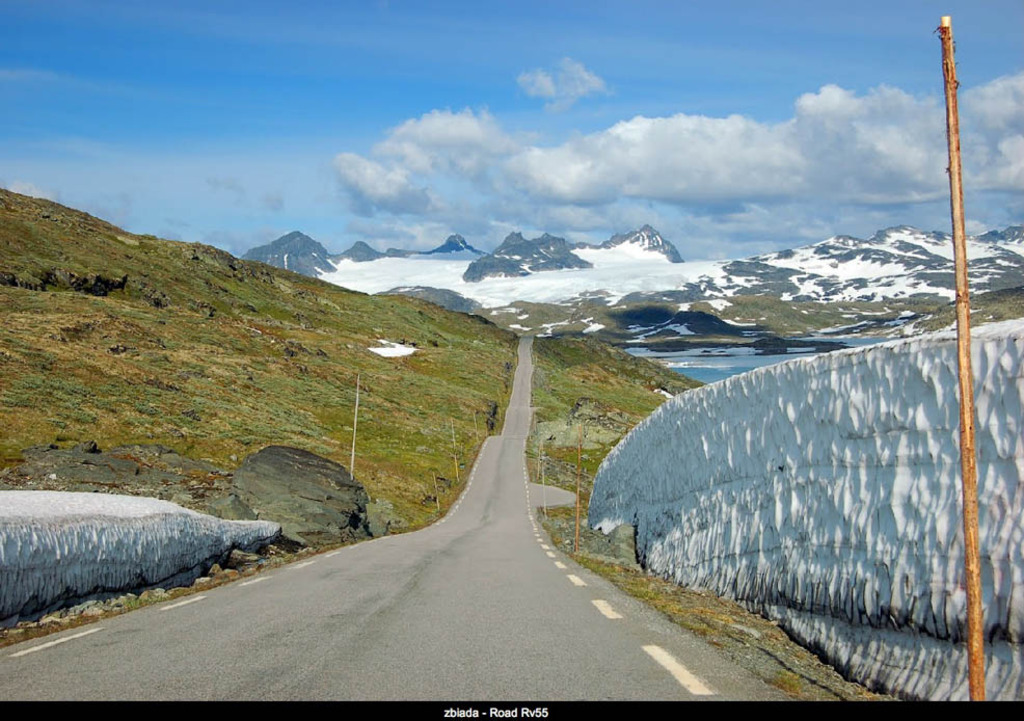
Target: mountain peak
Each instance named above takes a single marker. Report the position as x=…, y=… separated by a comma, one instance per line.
x=360, y=252
x=455, y=243
x=517, y=256
x=293, y=251
x=646, y=238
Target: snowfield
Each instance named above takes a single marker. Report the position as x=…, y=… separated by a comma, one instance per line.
x=390, y=349
x=825, y=493
x=57, y=548
x=894, y=263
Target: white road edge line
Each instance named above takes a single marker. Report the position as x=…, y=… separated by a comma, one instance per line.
x=606, y=610
x=255, y=580
x=545, y=546
x=576, y=580
x=559, y=564
x=303, y=564
x=332, y=554
x=686, y=679
x=550, y=554
x=59, y=641
x=179, y=604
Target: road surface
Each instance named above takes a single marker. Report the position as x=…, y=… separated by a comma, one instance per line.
x=475, y=607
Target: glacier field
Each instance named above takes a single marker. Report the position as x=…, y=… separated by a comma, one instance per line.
x=57, y=548
x=825, y=494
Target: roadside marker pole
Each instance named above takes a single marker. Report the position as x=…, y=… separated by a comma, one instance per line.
x=579, y=473
x=455, y=454
x=355, y=422
x=543, y=487
x=972, y=560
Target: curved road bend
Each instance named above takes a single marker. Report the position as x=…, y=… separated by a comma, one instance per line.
x=474, y=607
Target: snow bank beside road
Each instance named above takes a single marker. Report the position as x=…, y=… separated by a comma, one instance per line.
x=825, y=493
x=56, y=547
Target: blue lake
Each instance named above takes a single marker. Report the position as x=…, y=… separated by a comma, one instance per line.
x=709, y=365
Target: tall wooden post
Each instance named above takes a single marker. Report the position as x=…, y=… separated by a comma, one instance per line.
x=579, y=474
x=543, y=487
x=455, y=455
x=972, y=560
x=355, y=422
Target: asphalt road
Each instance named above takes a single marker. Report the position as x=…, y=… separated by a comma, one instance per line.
x=476, y=607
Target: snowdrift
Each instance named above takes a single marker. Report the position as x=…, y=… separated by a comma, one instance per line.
x=825, y=493
x=56, y=548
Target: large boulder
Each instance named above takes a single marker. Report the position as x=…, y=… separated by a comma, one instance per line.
x=314, y=499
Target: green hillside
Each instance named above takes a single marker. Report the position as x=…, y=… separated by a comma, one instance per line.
x=121, y=338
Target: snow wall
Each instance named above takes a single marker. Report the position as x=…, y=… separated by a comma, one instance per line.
x=58, y=548
x=825, y=494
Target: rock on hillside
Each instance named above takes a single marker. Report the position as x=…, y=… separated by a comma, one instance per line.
x=314, y=499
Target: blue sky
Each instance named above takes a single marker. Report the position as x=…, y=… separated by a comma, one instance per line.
x=732, y=127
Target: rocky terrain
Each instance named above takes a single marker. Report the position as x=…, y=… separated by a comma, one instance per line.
x=314, y=499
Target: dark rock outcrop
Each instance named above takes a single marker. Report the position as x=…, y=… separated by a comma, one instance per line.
x=314, y=499
x=438, y=296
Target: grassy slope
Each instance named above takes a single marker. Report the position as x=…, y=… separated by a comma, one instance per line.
x=756, y=312
x=217, y=357
x=620, y=391
x=996, y=305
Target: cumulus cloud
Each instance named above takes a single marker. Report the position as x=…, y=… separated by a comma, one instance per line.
x=879, y=155
x=563, y=86
x=372, y=186
x=443, y=141
x=882, y=147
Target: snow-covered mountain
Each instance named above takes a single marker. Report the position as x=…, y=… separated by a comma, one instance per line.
x=300, y=253
x=643, y=241
x=899, y=262
x=455, y=247
x=517, y=256
x=294, y=251
x=896, y=263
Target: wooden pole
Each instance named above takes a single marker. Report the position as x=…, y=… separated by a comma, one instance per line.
x=579, y=473
x=972, y=560
x=543, y=487
x=355, y=422
x=455, y=455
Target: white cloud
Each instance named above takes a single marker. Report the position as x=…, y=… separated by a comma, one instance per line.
x=570, y=82
x=681, y=157
x=441, y=141
x=537, y=84
x=883, y=147
x=997, y=105
x=371, y=186
x=843, y=162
